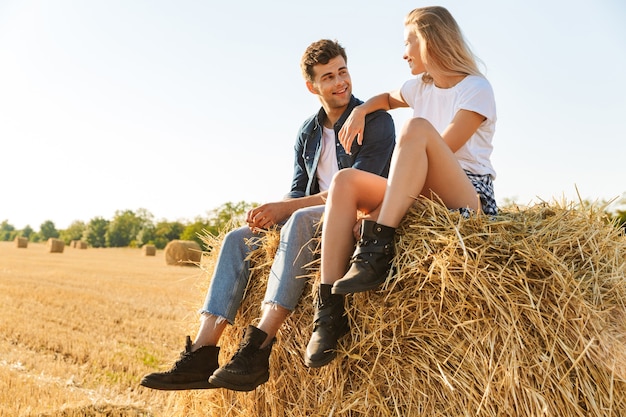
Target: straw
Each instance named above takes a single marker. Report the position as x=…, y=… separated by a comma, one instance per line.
x=522, y=314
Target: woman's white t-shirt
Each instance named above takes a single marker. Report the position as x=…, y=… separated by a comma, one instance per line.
x=440, y=105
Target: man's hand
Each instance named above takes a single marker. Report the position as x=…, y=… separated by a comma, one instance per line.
x=268, y=215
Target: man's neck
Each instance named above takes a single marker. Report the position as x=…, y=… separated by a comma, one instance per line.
x=333, y=116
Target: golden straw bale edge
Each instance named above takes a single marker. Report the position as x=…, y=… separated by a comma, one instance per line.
x=183, y=252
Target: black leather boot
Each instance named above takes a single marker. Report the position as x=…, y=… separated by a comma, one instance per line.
x=191, y=371
x=371, y=260
x=250, y=365
x=330, y=323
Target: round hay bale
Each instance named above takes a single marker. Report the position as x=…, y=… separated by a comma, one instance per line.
x=520, y=315
x=21, y=241
x=148, y=250
x=54, y=245
x=183, y=252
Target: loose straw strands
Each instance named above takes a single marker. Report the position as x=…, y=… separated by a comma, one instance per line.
x=522, y=314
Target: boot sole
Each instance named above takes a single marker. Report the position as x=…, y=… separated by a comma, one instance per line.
x=331, y=355
x=318, y=364
x=218, y=382
x=178, y=387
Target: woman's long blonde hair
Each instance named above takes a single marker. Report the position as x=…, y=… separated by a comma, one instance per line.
x=444, y=49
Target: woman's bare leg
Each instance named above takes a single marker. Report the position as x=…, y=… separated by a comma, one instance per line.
x=351, y=190
x=423, y=163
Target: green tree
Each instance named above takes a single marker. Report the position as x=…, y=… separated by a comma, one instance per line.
x=6, y=231
x=145, y=219
x=122, y=229
x=95, y=232
x=74, y=232
x=48, y=230
x=145, y=228
x=165, y=232
x=223, y=218
x=145, y=235
x=194, y=230
x=126, y=226
x=228, y=215
x=28, y=232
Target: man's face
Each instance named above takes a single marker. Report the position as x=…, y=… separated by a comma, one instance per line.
x=332, y=83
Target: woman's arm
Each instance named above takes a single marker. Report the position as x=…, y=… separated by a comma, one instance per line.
x=355, y=123
x=462, y=127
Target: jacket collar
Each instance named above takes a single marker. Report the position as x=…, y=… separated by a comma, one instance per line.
x=321, y=114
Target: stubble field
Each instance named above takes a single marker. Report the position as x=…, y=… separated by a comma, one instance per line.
x=79, y=329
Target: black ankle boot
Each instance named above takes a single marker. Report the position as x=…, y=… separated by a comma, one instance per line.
x=330, y=324
x=191, y=371
x=371, y=260
x=250, y=365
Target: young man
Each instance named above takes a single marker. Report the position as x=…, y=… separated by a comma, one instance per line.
x=318, y=156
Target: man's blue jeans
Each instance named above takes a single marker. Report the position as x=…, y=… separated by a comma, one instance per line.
x=285, y=283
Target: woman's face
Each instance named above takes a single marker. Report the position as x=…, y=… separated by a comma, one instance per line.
x=412, y=51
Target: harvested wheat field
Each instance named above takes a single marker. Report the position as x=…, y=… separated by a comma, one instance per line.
x=522, y=315
x=80, y=328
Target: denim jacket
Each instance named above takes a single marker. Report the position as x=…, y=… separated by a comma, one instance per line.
x=374, y=155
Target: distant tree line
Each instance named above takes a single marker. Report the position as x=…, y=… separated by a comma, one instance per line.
x=137, y=228
x=134, y=228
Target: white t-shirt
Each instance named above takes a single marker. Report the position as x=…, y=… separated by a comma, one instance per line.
x=440, y=105
x=327, y=165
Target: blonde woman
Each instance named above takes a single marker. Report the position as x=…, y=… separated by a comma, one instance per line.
x=443, y=153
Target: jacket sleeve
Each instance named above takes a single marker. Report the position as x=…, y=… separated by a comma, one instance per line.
x=379, y=140
x=300, y=175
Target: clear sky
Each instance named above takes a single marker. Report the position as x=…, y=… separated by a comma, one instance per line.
x=180, y=106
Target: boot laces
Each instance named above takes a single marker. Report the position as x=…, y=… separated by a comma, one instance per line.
x=181, y=363
x=244, y=355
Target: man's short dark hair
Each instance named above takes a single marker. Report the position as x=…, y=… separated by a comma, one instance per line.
x=320, y=52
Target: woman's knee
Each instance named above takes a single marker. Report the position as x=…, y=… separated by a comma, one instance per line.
x=416, y=130
x=344, y=180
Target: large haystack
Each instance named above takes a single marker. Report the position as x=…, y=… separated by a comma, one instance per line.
x=54, y=245
x=21, y=242
x=183, y=252
x=523, y=315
